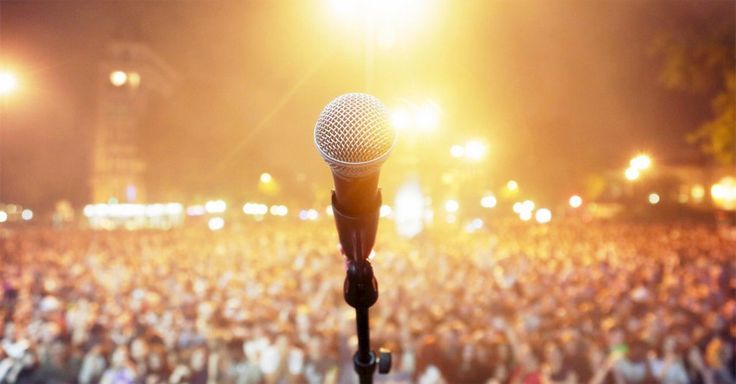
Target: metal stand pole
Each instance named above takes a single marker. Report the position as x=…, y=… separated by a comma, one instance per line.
x=360, y=290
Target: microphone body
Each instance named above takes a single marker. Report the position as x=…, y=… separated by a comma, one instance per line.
x=354, y=137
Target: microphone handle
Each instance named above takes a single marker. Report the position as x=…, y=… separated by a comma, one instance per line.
x=356, y=196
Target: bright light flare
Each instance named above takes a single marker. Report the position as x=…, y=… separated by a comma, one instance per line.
x=26, y=215
x=475, y=150
x=8, y=83
x=3, y=216
x=279, y=210
x=401, y=119
x=265, y=178
x=215, y=206
x=428, y=117
x=525, y=215
x=631, y=174
x=575, y=201
x=653, y=198
x=386, y=210
x=457, y=151
x=512, y=185
x=118, y=78
x=641, y=162
x=216, y=223
x=723, y=193
x=452, y=206
x=527, y=205
x=543, y=216
x=488, y=201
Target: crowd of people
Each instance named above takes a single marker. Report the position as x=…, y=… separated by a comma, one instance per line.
x=262, y=303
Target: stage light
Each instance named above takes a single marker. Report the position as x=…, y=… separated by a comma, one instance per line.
x=512, y=186
x=723, y=193
x=215, y=223
x=631, y=174
x=475, y=150
x=401, y=119
x=452, y=206
x=3, y=216
x=345, y=9
x=26, y=215
x=215, y=206
x=457, y=151
x=543, y=215
x=279, y=210
x=525, y=215
x=653, y=198
x=266, y=178
x=385, y=210
x=575, y=201
x=527, y=205
x=8, y=83
x=428, y=117
x=195, y=210
x=517, y=207
x=641, y=162
x=488, y=201
x=697, y=192
x=118, y=78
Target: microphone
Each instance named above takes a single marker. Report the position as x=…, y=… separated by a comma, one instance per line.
x=354, y=137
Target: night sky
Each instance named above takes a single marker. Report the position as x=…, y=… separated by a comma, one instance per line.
x=559, y=90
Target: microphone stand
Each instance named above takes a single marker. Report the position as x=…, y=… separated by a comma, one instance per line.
x=357, y=235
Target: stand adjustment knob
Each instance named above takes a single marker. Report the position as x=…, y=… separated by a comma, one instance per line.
x=384, y=361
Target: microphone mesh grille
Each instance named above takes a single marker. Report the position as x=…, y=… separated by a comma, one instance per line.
x=353, y=134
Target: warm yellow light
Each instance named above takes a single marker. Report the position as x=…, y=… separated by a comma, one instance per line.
x=543, y=216
x=3, y=216
x=527, y=205
x=525, y=215
x=512, y=185
x=488, y=201
x=452, y=206
x=118, y=78
x=457, y=151
x=279, y=210
x=386, y=38
x=518, y=207
x=631, y=174
x=134, y=78
x=215, y=206
x=216, y=223
x=401, y=119
x=641, y=162
x=428, y=117
x=697, y=192
x=266, y=178
x=8, y=83
x=723, y=193
x=576, y=201
x=475, y=150
x=385, y=210
x=653, y=198
x=345, y=9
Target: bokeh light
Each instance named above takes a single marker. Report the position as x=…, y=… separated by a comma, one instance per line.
x=653, y=198
x=543, y=215
x=216, y=223
x=575, y=201
x=8, y=83
x=118, y=78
